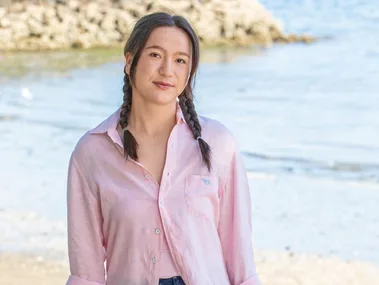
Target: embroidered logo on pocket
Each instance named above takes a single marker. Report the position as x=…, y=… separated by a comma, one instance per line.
x=206, y=181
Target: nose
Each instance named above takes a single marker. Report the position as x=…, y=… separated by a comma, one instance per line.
x=166, y=68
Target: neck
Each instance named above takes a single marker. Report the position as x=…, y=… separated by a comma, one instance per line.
x=152, y=120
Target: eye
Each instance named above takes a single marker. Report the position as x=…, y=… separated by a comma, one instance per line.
x=154, y=54
x=180, y=60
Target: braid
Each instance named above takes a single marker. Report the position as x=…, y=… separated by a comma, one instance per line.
x=130, y=143
x=190, y=115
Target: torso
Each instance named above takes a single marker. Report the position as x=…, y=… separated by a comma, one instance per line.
x=151, y=154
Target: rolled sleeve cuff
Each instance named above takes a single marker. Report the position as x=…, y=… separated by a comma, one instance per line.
x=253, y=280
x=75, y=280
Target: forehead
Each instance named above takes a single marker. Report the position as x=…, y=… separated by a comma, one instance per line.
x=172, y=39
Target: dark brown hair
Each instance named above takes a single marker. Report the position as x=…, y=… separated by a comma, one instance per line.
x=135, y=45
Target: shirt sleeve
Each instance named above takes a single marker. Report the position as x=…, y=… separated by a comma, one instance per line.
x=84, y=228
x=235, y=226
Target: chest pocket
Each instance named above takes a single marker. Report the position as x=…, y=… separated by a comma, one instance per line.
x=201, y=194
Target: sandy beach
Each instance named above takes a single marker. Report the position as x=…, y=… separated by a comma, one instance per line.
x=274, y=268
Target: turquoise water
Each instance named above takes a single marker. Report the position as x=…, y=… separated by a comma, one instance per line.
x=306, y=118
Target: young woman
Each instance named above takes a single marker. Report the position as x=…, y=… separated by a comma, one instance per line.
x=156, y=194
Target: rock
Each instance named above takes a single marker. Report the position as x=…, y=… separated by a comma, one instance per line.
x=8, y=45
x=73, y=4
x=124, y=22
x=193, y=16
x=114, y=36
x=275, y=32
x=92, y=12
x=261, y=34
x=72, y=37
x=134, y=9
x=35, y=27
x=62, y=11
x=60, y=40
x=208, y=33
x=228, y=26
x=57, y=28
x=45, y=41
x=196, y=5
x=177, y=7
x=35, y=12
x=109, y=22
x=5, y=22
x=172, y=7
x=291, y=38
x=2, y=12
x=70, y=19
x=77, y=23
x=102, y=38
x=5, y=3
x=307, y=39
x=16, y=8
x=104, y=3
x=63, y=2
x=19, y=30
x=85, y=40
x=28, y=44
x=88, y=27
x=49, y=13
x=5, y=35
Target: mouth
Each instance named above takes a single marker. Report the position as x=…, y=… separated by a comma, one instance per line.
x=163, y=85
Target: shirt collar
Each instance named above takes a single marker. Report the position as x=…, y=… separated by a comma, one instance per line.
x=110, y=124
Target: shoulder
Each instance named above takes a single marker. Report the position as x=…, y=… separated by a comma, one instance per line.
x=220, y=138
x=94, y=142
x=217, y=131
x=89, y=147
x=84, y=149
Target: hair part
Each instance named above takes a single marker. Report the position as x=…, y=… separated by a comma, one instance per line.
x=134, y=46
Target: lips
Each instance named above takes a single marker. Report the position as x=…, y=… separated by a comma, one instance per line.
x=163, y=84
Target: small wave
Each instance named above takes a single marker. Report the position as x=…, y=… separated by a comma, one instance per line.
x=8, y=117
x=342, y=170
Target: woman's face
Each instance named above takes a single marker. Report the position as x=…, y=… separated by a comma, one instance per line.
x=163, y=67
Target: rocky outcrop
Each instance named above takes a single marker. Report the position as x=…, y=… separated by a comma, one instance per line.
x=84, y=24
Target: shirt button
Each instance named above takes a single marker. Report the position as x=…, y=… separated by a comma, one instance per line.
x=157, y=231
x=147, y=176
x=161, y=201
x=154, y=260
x=168, y=173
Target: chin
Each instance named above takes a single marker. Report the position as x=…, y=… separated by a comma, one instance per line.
x=163, y=99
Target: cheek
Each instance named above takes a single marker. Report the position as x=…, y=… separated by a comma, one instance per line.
x=146, y=68
x=143, y=75
x=182, y=76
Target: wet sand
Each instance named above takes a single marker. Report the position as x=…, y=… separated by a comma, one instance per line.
x=274, y=269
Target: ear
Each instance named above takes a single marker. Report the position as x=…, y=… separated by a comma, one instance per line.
x=128, y=62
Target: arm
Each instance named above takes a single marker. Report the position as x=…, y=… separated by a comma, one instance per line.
x=84, y=227
x=235, y=227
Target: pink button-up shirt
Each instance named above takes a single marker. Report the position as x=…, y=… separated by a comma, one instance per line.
x=115, y=208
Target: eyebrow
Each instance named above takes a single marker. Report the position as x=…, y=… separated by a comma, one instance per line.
x=162, y=49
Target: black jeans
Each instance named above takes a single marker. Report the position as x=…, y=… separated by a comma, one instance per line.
x=172, y=281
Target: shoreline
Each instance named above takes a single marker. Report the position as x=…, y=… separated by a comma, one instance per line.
x=276, y=268
x=16, y=64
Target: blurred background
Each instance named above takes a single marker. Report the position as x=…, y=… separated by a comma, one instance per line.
x=306, y=117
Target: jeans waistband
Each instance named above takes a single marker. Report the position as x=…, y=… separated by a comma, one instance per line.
x=177, y=280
